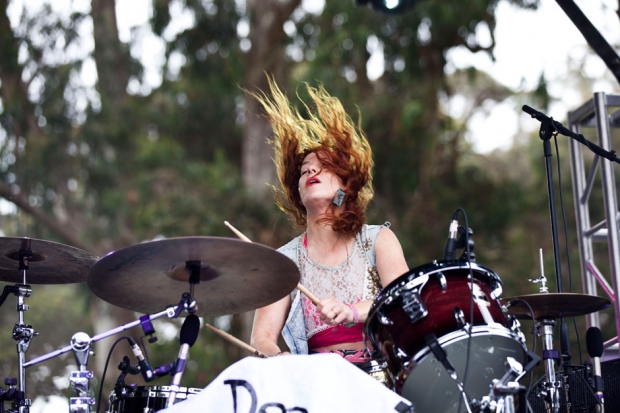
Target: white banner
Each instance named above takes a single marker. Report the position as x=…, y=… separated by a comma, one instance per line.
x=318, y=383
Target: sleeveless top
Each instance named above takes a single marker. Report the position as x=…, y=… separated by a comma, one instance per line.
x=352, y=281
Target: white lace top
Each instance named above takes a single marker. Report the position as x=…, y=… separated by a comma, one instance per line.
x=348, y=282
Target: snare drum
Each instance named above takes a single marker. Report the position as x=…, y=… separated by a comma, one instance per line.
x=434, y=299
x=146, y=399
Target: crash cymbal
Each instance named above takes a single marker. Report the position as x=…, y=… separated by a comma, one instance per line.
x=555, y=305
x=235, y=276
x=48, y=262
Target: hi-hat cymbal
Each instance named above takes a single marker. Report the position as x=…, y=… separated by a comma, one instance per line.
x=48, y=262
x=555, y=305
x=235, y=276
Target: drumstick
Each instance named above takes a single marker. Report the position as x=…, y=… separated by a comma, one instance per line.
x=236, y=341
x=237, y=232
x=300, y=287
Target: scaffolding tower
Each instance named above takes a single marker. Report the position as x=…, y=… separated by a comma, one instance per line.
x=602, y=113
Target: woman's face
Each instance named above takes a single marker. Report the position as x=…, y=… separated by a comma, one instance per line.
x=317, y=185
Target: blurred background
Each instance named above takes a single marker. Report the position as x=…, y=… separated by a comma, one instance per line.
x=125, y=121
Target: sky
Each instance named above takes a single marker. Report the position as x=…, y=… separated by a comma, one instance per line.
x=529, y=43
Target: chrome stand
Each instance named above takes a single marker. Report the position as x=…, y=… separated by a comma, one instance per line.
x=80, y=343
x=551, y=390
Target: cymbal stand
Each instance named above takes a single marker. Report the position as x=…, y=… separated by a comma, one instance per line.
x=544, y=328
x=22, y=333
x=80, y=345
x=542, y=280
x=551, y=392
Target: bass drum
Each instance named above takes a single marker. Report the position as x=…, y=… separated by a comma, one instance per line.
x=430, y=304
x=146, y=399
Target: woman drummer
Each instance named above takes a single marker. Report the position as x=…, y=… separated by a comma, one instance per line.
x=324, y=164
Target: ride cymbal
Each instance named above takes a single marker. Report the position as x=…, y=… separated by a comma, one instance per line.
x=46, y=262
x=554, y=305
x=234, y=276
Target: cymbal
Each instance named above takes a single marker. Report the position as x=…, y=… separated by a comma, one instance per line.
x=234, y=276
x=555, y=305
x=48, y=262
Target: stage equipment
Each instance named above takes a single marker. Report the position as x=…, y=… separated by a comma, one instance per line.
x=225, y=276
x=420, y=323
x=29, y=260
x=600, y=113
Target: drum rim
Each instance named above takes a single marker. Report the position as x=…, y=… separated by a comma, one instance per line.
x=138, y=392
x=438, y=267
x=477, y=331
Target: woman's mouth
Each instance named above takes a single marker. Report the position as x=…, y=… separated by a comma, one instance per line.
x=312, y=180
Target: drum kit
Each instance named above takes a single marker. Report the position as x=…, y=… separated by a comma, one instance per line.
x=207, y=276
x=441, y=334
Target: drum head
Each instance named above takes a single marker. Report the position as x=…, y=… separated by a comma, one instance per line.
x=431, y=389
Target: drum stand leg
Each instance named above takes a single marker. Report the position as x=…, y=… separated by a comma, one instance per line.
x=22, y=334
x=552, y=387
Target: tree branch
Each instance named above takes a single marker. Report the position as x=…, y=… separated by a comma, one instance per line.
x=61, y=230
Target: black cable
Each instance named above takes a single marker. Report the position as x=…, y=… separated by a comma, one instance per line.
x=105, y=369
x=5, y=294
x=570, y=273
x=471, y=304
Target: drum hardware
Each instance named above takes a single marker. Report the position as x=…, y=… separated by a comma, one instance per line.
x=413, y=305
x=80, y=345
x=79, y=380
x=551, y=386
x=460, y=318
x=441, y=279
x=501, y=395
x=542, y=280
x=188, y=335
x=515, y=327
x=233, y=276
x=24, y=260
x=13, y=395
x=418, y=374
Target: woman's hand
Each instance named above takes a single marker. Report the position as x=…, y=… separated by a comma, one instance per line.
x=333, y=311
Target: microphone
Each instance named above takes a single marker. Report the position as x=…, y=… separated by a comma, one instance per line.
x=145, y=367
x=450, y=248
x=163, y=370
x=594, y=344
x=188, y=336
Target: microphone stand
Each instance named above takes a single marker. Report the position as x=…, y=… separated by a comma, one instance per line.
x=549, y=128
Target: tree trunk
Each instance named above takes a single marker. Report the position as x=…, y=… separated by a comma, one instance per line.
x=267, y=55
x=111, y=55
